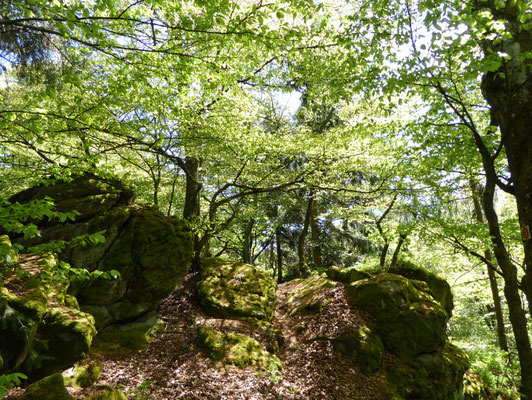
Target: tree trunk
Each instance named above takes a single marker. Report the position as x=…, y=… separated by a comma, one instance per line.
x=303, y=268
x=402, y=238
x=278, y=242
x=191, y=211
x=511, y=291
x=315, y=232
x=193, y=185
x=501, y=334
x=509, y=93
x=248, y=242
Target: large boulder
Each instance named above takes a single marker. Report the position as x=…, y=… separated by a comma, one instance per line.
x=435, y=376
x=363, y=346
x=50, y=388
x=41, y=332
x=409, y=320
x=151, y=252
x=438, y=287
x=235, y=290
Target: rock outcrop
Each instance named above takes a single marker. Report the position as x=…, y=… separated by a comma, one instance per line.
x=151, y=252
x=245, y=298
x=41, y=328
x=235, y=290
x=410, y=323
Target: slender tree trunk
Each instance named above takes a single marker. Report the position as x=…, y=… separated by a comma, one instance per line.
x=278, y=244
x=402, y=238
x=302, y=262
x=248, y=242
x=384, y=251
x=501, y=334
x=315, y=232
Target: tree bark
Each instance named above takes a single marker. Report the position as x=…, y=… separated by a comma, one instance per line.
x=511, y=291
x=191, y=211
x=248, y=242
x=193, y=186
x=499, y=318
x=315, y=232
x=508, y=90
x=278, y=244
x=303, y=268
x=395, y=256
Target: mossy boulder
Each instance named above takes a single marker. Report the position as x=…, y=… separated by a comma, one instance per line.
x=346, y=275
x=438, y=287
x=236, y=349
x=151, y=252
x=50, y=388
x=8, y=254
x=39, y=333
x=308, y=295
x=83, y=375
x=364, y=346
x=134, y=335
x=408, y=320
x=431, y=376
x=106, y=392
x=236, y=290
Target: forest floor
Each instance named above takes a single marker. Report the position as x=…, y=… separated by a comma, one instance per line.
x=172, y=366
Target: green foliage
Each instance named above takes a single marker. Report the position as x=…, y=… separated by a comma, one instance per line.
x=10, y=380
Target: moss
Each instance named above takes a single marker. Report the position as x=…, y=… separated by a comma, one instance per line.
x=431, y=376
x=382, y=295
x=132, y=336
x=438, y=287
x=308, y=295
x=106, y=392
x=236, y=349
x=417, y=328
x=364, y=346
x=408, y=320
x=68, y=336
x=346, y=275
x=474, y=387
x=8, y=254
x=49, y=388
x=83, y=375
x=236, y=290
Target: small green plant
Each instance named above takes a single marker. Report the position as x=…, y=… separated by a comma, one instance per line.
x=10, y=380
x=142, y=392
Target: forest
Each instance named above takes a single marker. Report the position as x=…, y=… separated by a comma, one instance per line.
x=319, y=145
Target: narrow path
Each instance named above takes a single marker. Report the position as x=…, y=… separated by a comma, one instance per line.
x=173, y=367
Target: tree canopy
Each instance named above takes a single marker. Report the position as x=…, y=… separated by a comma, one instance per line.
x=408, y=128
